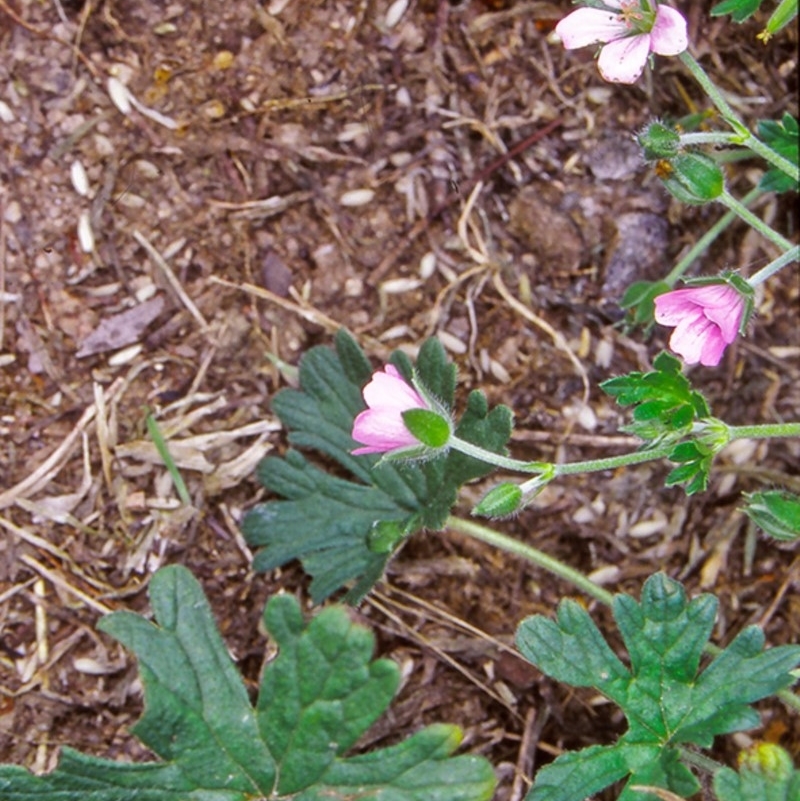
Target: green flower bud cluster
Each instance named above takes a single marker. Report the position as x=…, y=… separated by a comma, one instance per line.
x=689, y=175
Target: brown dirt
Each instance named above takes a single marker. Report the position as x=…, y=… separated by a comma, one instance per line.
x=331, y=162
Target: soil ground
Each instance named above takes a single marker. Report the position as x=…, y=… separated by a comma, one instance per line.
x=451, y=173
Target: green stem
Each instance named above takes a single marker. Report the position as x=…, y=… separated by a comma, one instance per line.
x=710, y=138
x=533, y=555
x=746, y=139
x=705, y=241
x=497, y=459
x=745, y=214
x=724, y=108
x=774, y=266
x=613, y=462
x=765, y=431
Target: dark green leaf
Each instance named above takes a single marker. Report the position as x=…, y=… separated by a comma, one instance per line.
x=330, y=523
x=665, y=405
x=783, y=137
x=579, y=774
x=740, y=10
x=317, y=697
x=667, y=700
x=766, y=774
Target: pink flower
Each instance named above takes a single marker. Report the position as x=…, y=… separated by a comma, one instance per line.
x=380, y=428
x=706, y=320
x=629, y=35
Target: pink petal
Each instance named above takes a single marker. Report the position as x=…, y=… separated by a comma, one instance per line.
x=623, y=61
x=389, y=390
x=672, y=307
x=723, y=305
x=669, y=37
x=697, y=339
x=588, y=26
x=380, y=431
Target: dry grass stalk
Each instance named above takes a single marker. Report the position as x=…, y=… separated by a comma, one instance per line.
x=172, y=280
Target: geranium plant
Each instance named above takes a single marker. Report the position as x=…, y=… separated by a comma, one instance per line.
x=402, y=445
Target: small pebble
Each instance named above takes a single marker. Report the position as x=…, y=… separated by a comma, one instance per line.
x=85, y=233
x=395, y=13
x=357, y=197
x=80, y=181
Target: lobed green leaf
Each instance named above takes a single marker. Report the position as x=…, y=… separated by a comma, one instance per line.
x=666, y=697
x=337, y=526
x=316, y=699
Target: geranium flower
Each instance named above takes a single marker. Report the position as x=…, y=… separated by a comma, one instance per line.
x=380, y=428
x=706, y=320
x=629, y=30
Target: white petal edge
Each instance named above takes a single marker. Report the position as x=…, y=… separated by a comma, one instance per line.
x=588, y=26
x=623, y=61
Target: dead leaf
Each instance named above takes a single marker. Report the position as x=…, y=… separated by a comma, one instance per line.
x=121, y=329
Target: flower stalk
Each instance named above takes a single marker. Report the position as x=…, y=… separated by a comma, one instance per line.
x=753, y=221
x=766, y=272
x=705, y=241
x=530, y=554
x=744, y=136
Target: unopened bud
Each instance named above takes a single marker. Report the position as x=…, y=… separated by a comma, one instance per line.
x=659, y=142
x=692, y=178
x=777, y=512
x=768, y=760
x=500, y=501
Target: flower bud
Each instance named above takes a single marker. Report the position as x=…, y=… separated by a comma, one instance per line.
x=659, y=141
x=692, y=178
x=768, y=760
x=777, y=512
x=500, y=501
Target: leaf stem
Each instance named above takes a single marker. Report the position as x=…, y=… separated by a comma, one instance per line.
x=774, y=266
x=705, y=241
x=558, y=568
x=764, y=431
x=497, y=459
x=533, y=555
x=746, y=139
x=753, y=221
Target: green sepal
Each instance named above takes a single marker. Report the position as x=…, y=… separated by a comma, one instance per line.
x=693, y=178
x=501, y=501
x=659, y=141
x=430, y=428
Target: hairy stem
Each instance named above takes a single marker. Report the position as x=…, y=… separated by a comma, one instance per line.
x=533, y=555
